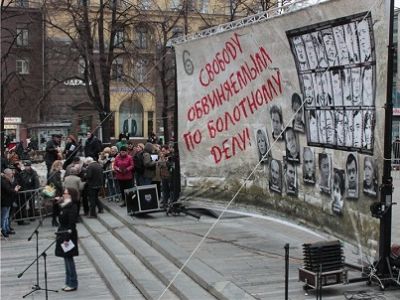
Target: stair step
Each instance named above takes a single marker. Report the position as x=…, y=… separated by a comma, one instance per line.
x=116, y=281
x=148, y=284
x=183, y=285
x=199, y=271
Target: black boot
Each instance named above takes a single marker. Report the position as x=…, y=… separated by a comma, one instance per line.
x=54, y=223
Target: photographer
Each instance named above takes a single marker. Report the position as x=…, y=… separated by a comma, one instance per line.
x=166, y=167
x=149, y=164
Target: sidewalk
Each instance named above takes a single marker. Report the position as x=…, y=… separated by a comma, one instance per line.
x=17, y=253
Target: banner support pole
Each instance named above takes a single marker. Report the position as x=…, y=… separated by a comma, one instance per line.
x=387, y=182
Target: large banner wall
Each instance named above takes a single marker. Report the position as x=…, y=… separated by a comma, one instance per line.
x=291, y=107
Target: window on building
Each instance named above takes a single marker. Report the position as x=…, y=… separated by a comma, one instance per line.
x=145, y=4
x=119, y=38
x=150, y=123
x=191, y=5
x=81, y=65
x=142, y=37
x=22, y=3
x=117, y=70
x=22, y=37
x=203, y=6
x=141, y=70
x=84, y=2
x=131, y=117
x=175, y=4
x=22, y=66
x=177, y=31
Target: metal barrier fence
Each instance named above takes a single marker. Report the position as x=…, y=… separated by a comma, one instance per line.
x=31, y=204
x=111, y=187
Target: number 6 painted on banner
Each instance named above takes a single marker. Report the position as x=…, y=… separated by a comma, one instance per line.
x=187, y=63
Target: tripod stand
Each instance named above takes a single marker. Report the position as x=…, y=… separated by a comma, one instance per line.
x=36, y=260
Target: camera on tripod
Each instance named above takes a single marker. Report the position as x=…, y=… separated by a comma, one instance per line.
x=378, y=209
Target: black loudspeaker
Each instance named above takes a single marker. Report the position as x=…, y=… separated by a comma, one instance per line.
x=142, y=199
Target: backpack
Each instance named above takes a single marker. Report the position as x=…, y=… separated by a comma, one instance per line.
x=138, y=162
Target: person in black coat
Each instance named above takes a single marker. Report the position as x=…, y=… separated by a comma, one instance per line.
x=68, y=236
x=70, y=151
x=94, y=182
x=93, y=146
x=52, y=152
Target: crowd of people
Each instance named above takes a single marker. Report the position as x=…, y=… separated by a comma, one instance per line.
x=78, y=180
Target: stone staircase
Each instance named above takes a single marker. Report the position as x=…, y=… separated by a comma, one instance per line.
x=137, y=262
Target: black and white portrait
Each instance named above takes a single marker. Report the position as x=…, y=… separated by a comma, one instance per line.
x=368, y=129
x=364, y=39
x=292, y=145
x=277, y=122
x=275, y=176
x=356, y=86
x=308, y=90
x=321, y=126
x=348, y=127
x=338, y=188
x=346, y=87
x=367, y=86
x=263, y=146
x=301, y=53
x=370, y=182
x=352, y=42
x=312, y=126
x=325, y=171
x=352, y=176
x=357, y=128
x=298, y=111
x=291, y=178
x=330, y=47
x=337, y=87
x=343, y=51
x=319, y=49
x=324, y=96
x=330, y=127
x=308, y=166
x=310, y=50
x=339, y=128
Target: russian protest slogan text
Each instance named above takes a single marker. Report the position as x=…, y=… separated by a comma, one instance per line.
x=255, y=66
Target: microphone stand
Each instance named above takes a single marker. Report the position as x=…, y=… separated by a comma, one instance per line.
x=36, y=288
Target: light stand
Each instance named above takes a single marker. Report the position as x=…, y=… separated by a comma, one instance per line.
x=36, y=287
x=387, y=184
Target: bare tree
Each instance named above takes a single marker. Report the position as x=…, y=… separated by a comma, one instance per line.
x=18, y=87
x=96, y=33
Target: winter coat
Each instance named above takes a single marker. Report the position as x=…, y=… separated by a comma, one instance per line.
x=74, y=182
x=70, y=151
x=55, y=179
x=94, y=175
x=30, y=180
x=93, y=147
x=67, y=218
x=148, y=163
x=8, y=194
x=52, y=153
x=123, y=167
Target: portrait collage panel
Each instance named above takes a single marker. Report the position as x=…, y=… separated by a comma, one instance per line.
x=336, y=69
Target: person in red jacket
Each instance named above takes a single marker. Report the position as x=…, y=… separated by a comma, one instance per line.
x=123, y=167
